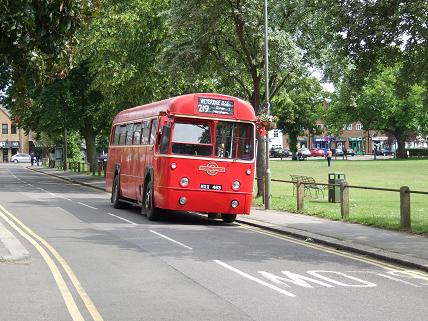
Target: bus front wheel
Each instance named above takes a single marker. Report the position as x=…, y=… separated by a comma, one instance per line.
x=228, y=218
x=115, y=193
x=148, y=207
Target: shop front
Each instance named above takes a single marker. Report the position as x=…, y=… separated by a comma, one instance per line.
x=322, y=142
x=8, y=148
x=356, y=143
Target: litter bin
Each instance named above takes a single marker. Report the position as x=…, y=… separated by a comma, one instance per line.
x=334, y=191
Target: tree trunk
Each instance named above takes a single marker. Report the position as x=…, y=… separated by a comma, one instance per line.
x=401, y=143
x=293, y=145
x=89, y=135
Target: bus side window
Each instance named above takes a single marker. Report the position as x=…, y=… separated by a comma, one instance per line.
x=145, y=132
x=137, y=134
x=116, y=135
x=129, y=134
x=153, y=131
x=166, y=135
x=122, y=138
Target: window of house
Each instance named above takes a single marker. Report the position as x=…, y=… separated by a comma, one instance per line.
x=319, y=126
x=347, y=127
x=275, y=133
x=359, y=126
x=13, y=129
x=4, y=129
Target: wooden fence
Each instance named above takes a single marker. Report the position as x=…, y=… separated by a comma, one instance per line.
x=405, y=192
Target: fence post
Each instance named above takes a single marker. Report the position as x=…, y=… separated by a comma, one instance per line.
x=300, y=196
x=344, y=200
x=405, y=223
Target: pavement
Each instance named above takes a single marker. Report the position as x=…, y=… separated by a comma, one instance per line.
x=402, y=248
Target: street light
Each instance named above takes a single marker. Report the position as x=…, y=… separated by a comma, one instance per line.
x=267, y=174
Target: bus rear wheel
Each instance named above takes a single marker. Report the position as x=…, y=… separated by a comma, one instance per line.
x=115, y=193
x=228, y=218
x=148, y=207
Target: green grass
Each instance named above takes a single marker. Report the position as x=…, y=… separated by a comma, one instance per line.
x=377, y=208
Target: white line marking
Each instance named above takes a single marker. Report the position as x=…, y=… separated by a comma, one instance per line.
x=252, y=278
x=170, y=239
x=398, y=280
x=94, y=208
x=123, y=219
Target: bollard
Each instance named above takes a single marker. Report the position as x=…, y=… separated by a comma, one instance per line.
x=344, y=200
x=300, y=196
x=405, y=223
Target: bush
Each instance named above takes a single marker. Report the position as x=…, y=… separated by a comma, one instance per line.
x=418, y=152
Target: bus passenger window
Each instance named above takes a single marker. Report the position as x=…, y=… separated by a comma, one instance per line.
x=153, y=131
x=129, y=134
x=145, y=132
x=122, y=138
x=137, y=134
x=166, y=133
x=116, y=135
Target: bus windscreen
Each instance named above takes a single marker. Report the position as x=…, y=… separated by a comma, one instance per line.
x=233, y=140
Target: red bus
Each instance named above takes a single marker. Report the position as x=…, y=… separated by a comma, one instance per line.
x=193, y=152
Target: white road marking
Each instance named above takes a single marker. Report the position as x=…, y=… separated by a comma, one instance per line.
x=398, y=280
x=94, y=208
x=123, y=219
x=252, y=278
x=172, y=240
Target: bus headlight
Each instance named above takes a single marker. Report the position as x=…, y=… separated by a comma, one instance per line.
x=182, y=200
x=234, y=204
x=184, y=182
x=236, y=185
x=248, y=171
x=173, y=165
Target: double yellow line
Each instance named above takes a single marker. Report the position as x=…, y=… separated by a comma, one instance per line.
x=43, y=248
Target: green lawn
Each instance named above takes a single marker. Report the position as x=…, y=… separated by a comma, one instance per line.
x=377, y=208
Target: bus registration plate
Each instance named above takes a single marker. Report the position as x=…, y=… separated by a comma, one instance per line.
x=211, y=187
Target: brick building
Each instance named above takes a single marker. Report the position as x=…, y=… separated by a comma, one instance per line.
x=12, y=138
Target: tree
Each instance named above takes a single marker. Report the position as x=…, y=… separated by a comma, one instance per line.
x=392, y=108
x=37, y=39
x=223, y=40
x=299, y=106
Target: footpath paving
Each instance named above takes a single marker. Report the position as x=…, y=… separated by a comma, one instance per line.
x=397, y=247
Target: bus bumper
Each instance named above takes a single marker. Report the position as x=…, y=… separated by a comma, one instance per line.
x=203, y=201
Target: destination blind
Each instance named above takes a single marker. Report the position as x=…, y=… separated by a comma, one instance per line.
x=215, y=106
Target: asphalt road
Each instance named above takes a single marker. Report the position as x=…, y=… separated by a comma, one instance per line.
x=89, y=261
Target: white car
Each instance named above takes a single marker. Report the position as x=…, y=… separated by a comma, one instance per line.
x=304, y=152
x=21, y=158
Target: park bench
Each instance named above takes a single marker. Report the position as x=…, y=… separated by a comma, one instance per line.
x=309, y=183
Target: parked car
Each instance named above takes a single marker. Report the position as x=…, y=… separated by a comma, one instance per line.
x=279, y=152
x=21, y=158
x=383, y=152
x=317, y=152
x=338, y=152
x=304, y=152
x=350, y=151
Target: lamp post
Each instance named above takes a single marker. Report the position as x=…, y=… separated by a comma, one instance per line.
x=267, y=174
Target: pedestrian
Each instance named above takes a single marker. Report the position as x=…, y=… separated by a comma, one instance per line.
x=38, y=159
x=328, y=156
x=345, y=154
x=32, y=159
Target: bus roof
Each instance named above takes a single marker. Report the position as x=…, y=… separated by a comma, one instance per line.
x=200, y=104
